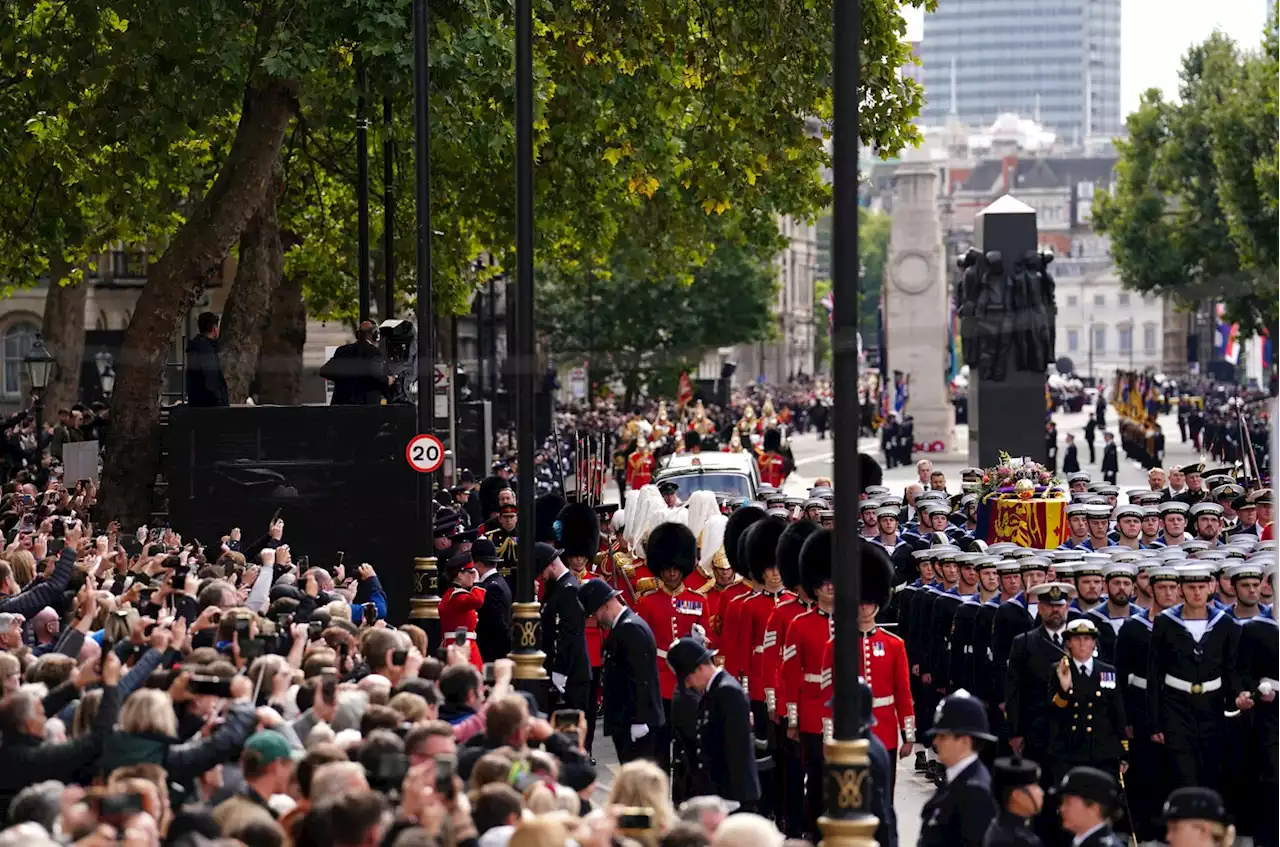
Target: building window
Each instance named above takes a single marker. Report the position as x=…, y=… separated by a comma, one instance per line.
x=18, y=338
x=1149, y=338
x=1073, y=340
x=1125, y=335
x=1099, y=300
x=1072, y=299
x=1122, y=299
x=1100, y=339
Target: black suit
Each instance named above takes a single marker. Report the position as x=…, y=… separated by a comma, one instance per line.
x=1110, y=462
x=564, y=640
x=493, y=619
x=1086, y=725
x=206, y=386
x=1030, y=670
x=959, y=813
x=1070, y=459
x=358, y=373
x=726, y=747
x=631, y=691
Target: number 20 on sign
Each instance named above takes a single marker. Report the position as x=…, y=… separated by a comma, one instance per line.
x=425, y=453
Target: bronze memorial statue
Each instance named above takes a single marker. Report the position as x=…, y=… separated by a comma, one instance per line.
x=1006, y=313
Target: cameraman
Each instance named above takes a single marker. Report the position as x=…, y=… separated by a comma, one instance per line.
x=358, y=371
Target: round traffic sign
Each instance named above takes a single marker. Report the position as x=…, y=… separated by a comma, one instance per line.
x=425, y=453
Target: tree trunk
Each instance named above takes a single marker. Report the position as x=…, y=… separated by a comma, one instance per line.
x=63, y=333
x=280, y=362
x=173, y=285
x=247, y=313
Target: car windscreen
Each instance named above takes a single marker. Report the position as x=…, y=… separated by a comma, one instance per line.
x=731, y=484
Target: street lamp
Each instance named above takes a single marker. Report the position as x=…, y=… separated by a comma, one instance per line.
x=40, y=364
x=108, y=379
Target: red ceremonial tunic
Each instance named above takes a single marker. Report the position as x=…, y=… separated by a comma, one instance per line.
x=670, y=617
x=752, y=623
x=737, y=660
x=715, y=601
x=595, y=638
x=699, y=581
x=639, y=470
x=773, y=469
x=774, y=632
x=458, y=610
x=805, y=675
x=884, y=667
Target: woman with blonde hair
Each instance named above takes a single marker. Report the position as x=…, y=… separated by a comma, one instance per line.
x=544, y=832
x=1197, y=817
x=643, y=784
x=23, y=565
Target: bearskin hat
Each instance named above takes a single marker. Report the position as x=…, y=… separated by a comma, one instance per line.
x=877, y=573
x=788, y=553
x=488, y=493
x=761, y=545
x=815, y=561
x=692, y=439
x=869, y=472
x=545, y=511
x=772, y=440
x=578, y=530
x=739, y=521
x=671, y=545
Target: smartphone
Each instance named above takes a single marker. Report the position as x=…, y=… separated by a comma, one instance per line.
x=446, y=765
x=179, y=578
x=370, y=612
x=214, y=686
x=255, y=647
x=399, y=657
x=566, y=720
x=329, y=685
x=635, y=820
x=460, y=637
x=488, y=673
x=314, y=629
x=242, y=633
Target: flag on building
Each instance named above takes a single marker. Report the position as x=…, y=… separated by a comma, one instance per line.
x=684, y=394
x=1226, y=340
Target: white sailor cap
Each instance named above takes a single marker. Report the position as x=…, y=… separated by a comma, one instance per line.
x=1129, y=511
x=1065, y=568
x=1119, y=569
x=1053, y=593
x=1033, y=563
x=1231, y=551
x=1021, y=553
x=1206, y=508
x=1247, y=540
x=1244, y=570
x=1008, y=566
x=1192, y=545
x=1001, y=547
x=947, y=553
x=1130, y=556
x=869, y=503
x=1098, y=512
x=926, y=555
x=1168, y=553
x=1151, y=510
x=1194, y=573
x=887, y=512
x=984, y=562
x=1081, y=626
x=1174, y=507
x=932, y=509
x=875, y=490
x=1077, y=509
x=1162, y=573
x=1230, y=490
x=1067, y=554
x=891, y=500
x=1079, y=476
x=1106, y=489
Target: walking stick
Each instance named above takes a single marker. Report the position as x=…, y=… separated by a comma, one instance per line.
x=1124, y=792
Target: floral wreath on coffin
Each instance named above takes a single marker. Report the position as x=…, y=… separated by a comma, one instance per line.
x=1020, y=478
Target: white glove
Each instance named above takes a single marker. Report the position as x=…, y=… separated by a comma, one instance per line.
x=638, y=731
x=700, y=632
x=559, y=680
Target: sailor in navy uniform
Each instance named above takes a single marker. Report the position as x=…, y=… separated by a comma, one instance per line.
x=1030, y=671
x=1207, y=519
x=965, y=668
x=1197, y=817
x=962, y=809
x=1173, y=515
x=1079, y=481
x=988, y=679
x=1011, y=620
x=1078, y=525
x=1192, y=679
x=1086, y=715
x=1259, y=662
x=887, y=535
x=1147, y=781
x=1246, y=509
x=1111, y=615
x=1089, y=582
x=1129, y=526
x=1089, y=798
x=1152, y=525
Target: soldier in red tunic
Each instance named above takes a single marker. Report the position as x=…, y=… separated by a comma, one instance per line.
x=578, y=536
x=731, y=608
x=640, y=466
x=773, y=464
x=805, y=672
x=725, y=583
x=672, y=611
x=461, y=601
x=788, y=765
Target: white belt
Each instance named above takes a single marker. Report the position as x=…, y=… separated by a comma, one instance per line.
x=1137, y=681
x=662, y=654
x=813, y=677
x=757, y=649
x=1182, y=685
x=878, y=702
x=471, y=636
x=968, y=648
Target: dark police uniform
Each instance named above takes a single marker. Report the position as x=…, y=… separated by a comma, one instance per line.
x=962, y=809
x=564, y=640
x=629, y=677
x=1008, y=829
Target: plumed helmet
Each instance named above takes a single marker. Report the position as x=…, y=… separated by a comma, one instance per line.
x=877, y=572
x=739, y=522
x=772, y=440
x=702, y=505
x=545, y=511
x=712, y=542
x=489, y=488
x=815, y=561
x=671, y=545
x=578, y=530
x=761, y=545
x=788, y=552
x=869, y=471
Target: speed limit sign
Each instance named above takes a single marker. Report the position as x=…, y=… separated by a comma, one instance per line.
x=425, y=453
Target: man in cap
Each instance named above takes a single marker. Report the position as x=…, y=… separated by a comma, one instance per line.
x=1032, y=659
x=503, y=539
x=461, y=601
x=1148, y=776
x=884, y=661
x=887, y=536
x=564, y=639
x=1173, y=514
x=725, y=636
x=632, y=705
x=1098, y=521
x=1077, y=526
x=1089, y=582
x=1192, y=678
x=867, y=515
x=1015, y=616
x=964, y=667
x=1110, y=458
x=1246, y=583
x=726, y=753
x=670, y=493
x=962, y=809
x=578, y=534
x=1129, y=526
x=1015, y=783
x=493, y=622
x=1086, y=716
x=1207, y=516
x=1194, y=492
x=1247, y=518
x=1089, y=797
x=1079, y=481
x=761, y=546
x=1152, y=525
x=1109, y=616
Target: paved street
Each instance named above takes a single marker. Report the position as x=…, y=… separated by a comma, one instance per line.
x=814, y=459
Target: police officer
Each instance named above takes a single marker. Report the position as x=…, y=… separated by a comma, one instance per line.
x=1086, y=716
x=726, y=753
x=1089, y=799
x=1015, y=782
x=1196, y=817
x=962, y=809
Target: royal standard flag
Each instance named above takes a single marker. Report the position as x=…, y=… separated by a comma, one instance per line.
x=1028, y=523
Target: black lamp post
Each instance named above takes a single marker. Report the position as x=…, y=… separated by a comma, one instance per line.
x=40, y=365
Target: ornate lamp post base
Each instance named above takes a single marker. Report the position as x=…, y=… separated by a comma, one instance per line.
x=526, y=636
x=848, y=781
x=424, y=607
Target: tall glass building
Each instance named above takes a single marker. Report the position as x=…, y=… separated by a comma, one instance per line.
x=1058, y=59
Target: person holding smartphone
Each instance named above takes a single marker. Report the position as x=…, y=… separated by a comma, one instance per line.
x=460, y=604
